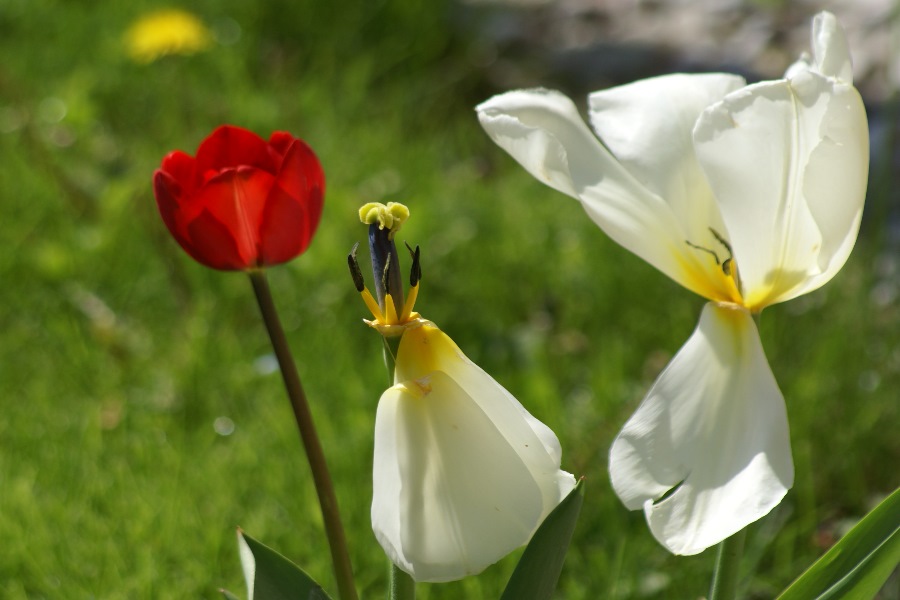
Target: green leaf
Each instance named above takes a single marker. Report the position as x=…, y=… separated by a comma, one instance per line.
x=858, y=565
x=228, y=595
x=270, y=576
x=538, y=570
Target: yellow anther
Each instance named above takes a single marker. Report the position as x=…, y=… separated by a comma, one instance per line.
x=389, y=216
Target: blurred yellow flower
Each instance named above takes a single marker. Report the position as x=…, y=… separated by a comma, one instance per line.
x=163, y=32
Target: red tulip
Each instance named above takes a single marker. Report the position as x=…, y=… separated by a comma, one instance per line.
x=242, y=203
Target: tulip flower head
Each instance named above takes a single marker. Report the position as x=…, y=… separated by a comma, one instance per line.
x=242, y=203
x=462, y=473
x=748, y=195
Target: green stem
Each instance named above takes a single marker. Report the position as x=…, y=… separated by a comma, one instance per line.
x=334, y=530
x=400, y=585
x=728, y=562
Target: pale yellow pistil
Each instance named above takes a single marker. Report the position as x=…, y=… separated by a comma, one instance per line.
x=390, y=216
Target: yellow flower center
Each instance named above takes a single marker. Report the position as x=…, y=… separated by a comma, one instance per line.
x=720, y=283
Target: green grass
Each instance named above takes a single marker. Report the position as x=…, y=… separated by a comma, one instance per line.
x=119, y=353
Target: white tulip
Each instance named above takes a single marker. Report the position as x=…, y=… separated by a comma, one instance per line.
x=463, y=474
x=748, y=195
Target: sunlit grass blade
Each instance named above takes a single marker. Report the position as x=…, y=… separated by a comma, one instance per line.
x=538, y=570
x=858, y=565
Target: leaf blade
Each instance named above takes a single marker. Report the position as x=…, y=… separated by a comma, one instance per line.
x=274, y=577
x=538, y=571
x=859, y=563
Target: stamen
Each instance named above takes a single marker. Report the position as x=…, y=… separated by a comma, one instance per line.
x=390, y=311
x=415, y=272
x=722, y=241
x=372, y=304
x=410, y=303
x=385, y=283
x=355, y=272
x=729, y=267
x=711, y=252
x=726, y=266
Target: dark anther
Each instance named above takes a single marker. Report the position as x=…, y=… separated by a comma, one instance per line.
x=386, y=274
x=415, y=272
x=711, y=252
x=355, y=273
x=721, y=240
x=726, y=266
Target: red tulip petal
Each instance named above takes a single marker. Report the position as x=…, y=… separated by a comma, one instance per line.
x=236, y=198
x=214, y=245
x=294, y=206
x=182, y=168
x=231, y=147
x=280, y=142
x=302, y=178
x=168, y=194
x=286, y=229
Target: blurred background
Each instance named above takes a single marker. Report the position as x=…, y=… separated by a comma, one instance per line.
x=142, y=415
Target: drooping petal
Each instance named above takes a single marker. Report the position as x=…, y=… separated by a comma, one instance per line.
x=543, y=131
x=648, y=126
x=708, y=450
x=455, y=487
x=787, y=161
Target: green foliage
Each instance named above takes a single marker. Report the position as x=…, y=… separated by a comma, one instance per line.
x=274, y=577
x=538, y=570
x=141, y=420
x=858, y=565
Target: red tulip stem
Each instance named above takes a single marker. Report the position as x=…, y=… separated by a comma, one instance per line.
x=343, y=570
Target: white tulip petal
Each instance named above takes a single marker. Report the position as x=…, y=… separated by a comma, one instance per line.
x=830, y=49
x=708, y=451
x=648, y=124
x=463, y=474
x=543, y=131
x=787, y=161
x=804, y=63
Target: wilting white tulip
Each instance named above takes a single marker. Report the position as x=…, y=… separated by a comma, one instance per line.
x=463, y=474
x=748, y=195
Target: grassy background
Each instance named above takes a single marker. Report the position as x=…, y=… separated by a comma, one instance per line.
x=121, y=358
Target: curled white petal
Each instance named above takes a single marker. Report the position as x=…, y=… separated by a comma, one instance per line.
x=788, y=163
x=463, y=474
x=830, y=49
x=830, y=52
x=543, y=131
x=708, y=451
x=648, y=124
